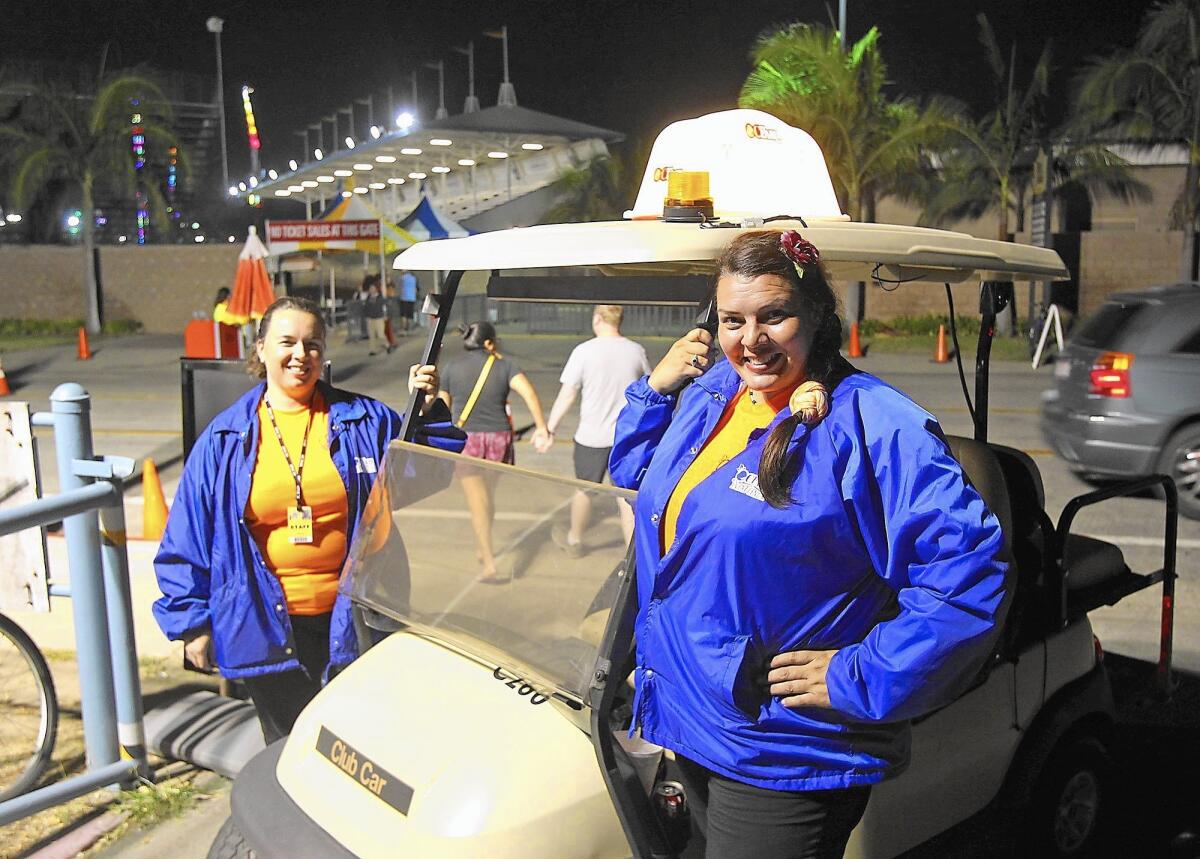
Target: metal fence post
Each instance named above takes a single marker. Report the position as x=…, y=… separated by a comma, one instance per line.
x=114, y=558
x=71, y=407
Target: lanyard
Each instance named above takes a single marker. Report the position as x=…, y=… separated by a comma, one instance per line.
x=295, y=469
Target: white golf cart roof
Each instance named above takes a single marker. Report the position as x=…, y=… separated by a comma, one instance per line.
x=760, y=168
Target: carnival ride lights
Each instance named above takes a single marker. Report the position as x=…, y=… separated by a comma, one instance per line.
x=251, y=127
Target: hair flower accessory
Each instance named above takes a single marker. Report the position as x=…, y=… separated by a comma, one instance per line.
x=810, y=402
x=799, y=250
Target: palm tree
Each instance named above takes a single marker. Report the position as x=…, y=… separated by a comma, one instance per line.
x=873, y=144
x=601, y=189
x=991, y=167
x=591, y=192
x=60, y=140
x=1153, y=92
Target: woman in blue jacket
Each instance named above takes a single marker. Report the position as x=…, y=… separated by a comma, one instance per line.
x=813, y=570
x=265, y=511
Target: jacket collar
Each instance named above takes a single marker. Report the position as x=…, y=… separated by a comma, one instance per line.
x=721, y=380
x=343, y=406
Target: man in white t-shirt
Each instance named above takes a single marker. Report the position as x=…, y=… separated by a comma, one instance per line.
x=598, y=372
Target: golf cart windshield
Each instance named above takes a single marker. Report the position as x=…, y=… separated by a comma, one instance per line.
x=414, y=559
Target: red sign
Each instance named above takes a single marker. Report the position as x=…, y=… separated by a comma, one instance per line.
x=321, y=231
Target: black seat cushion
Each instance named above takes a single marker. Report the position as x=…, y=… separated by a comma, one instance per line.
x=1089, y=561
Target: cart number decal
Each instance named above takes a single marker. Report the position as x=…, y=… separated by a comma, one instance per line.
x=520, y=685
x=365, y=771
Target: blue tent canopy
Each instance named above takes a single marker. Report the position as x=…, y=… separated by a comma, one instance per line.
x=426, y=222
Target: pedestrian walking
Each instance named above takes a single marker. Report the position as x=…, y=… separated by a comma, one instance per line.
x=597, y=374
x=813, y=568
x=408, y=299
x=375, y=311
x=476, y=388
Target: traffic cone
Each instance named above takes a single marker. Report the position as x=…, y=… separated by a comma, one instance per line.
x=85, y=351
x=940, y=354
x=855, y=350
x=5, y=390
x=154, y=506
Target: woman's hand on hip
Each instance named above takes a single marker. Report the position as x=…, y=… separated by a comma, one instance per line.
x=688, y=358
x=797, y=678
x=197, y=649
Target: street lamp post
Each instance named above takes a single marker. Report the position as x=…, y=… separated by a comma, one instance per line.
x=215, y=25
x=472, y=102
x=440, y=67
x=508, y=93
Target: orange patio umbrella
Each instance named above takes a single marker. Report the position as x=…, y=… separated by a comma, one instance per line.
x=252, y=289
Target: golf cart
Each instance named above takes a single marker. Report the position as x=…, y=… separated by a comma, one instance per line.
x=493, y=721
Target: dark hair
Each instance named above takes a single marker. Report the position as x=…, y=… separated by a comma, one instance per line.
x=476, y=334
x=757, y=253
x=222, y=295
x=254, y=365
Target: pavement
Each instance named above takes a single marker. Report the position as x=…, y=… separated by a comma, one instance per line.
x=135, y=387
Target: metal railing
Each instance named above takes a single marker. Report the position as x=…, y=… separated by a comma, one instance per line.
x=90, y=503
x=576, y=319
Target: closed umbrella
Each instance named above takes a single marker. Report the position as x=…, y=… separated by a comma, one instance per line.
x=252, y=289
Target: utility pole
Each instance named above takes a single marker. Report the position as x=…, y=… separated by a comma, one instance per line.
x=472, y=103
x=215, y=25
x=842, y=23
x=508, y=93
x=440, y=66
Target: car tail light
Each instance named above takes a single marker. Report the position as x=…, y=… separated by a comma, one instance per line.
x=1099, y=650
x=1110, y=375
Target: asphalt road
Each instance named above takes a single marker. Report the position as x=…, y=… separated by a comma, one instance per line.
x=134, y=383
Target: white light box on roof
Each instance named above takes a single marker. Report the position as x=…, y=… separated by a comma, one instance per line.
x=758, y=166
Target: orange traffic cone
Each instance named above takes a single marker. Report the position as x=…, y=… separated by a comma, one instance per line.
x=5, y=390
x=154, y=507
x=85, y=351
x=855, y=350
x=940, y=354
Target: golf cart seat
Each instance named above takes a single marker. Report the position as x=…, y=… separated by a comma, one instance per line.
x=1087, y=561
x=983, y=471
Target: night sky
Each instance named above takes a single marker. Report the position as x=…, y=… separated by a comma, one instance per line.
x=630, y=66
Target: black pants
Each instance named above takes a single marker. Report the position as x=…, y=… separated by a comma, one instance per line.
x=278, y=698
x=741, y=821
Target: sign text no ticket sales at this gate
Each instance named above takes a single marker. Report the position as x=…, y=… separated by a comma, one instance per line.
x=317, y=231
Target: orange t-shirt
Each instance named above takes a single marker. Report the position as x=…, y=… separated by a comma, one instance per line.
x=728, y=438
x=308, y=572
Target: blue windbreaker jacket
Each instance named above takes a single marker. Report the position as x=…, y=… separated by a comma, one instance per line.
x=210, y=570
x=887, y=556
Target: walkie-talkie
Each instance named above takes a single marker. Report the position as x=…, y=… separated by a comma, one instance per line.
x=708, y=318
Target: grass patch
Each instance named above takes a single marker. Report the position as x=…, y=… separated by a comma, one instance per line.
x=148, y=805
x=36, y=333
x=1003, y=348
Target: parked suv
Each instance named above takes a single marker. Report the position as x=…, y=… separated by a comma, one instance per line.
x=1126, y=400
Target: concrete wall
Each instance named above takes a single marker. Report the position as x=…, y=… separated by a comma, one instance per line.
x=41, y=282
x=161, y=286
x=1119, y=261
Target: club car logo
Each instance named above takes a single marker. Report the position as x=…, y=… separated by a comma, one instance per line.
x=762, y=132
x=661, y=173
x=745, y=481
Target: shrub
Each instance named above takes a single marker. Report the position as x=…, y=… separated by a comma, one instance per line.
x=45, y=327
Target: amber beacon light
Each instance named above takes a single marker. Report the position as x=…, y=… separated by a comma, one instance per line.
x=688, y=198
